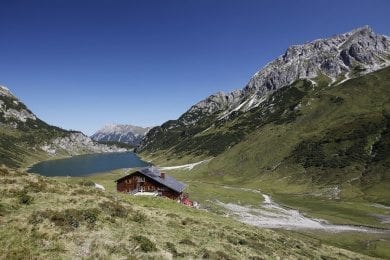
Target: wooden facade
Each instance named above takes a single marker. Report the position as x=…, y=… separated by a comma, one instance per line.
x=138, y=182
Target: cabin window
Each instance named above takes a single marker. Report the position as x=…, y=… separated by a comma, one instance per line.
x=141, y=179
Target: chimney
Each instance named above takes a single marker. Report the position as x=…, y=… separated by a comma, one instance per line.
x=162, y=175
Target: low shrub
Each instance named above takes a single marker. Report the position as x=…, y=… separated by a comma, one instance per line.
x=172, y=249
x=3, y=209
x=188, y=221
x=38, y=186
x=188, y=242
x=4, y=171
x=145, y=244
x=236, y=240
x=67, y=219
x=8, y=181
x=114, y=209
x=86, y=183
x=215, y=255
x=172, y=215
x=139, y=217
x=24, y=198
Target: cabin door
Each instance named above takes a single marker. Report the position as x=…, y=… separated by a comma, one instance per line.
x=140, y=187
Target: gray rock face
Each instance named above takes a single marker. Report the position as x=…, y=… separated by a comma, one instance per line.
x=77, y=143
x=338, y=57
x=128, y=134
x=331, y=57
x=12, y=111
x=334, y=57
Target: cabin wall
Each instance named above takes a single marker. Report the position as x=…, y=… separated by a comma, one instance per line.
x=171, y=194
x=140, y=182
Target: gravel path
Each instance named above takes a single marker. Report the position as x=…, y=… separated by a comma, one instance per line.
x=272, y=215
x=185, y=166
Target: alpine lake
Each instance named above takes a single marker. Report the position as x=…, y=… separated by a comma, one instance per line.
x=84, y=165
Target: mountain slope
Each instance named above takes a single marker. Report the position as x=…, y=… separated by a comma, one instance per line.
x=23, y=136
x=332, y=60
x=127, y=134
x=317, y=133
x=334, y=137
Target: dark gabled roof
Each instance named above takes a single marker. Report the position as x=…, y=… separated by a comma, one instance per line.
x=155, y=174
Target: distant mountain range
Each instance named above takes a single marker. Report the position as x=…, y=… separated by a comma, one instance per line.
x=127, y=134
x=24, y=137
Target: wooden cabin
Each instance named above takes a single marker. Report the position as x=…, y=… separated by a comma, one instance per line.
x=150, y=181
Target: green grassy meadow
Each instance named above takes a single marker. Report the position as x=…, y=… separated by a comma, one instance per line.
x=207, y=191
x=67, y=218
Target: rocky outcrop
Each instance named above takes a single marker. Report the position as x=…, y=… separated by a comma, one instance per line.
x=12, y=111
x=77, y=143
x=332, y=57
x=361, y=49
x=127, y=134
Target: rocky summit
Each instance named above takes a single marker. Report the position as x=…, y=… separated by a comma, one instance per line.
x=339, y=57
x=12, y=111
x=220, y=118
x=127, y=134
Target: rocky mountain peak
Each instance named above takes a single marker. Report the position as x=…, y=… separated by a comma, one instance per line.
x=128, y=134
x=12, y=111
x=4, y=91
x=336, y=57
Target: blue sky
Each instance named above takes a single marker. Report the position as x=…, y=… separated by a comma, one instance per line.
x=82, y=64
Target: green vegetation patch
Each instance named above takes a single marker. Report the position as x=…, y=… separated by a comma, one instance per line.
x=145, y=244
x=62, y=225
x=67, y=219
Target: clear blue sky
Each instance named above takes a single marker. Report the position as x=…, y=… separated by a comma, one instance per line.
x=81, y=64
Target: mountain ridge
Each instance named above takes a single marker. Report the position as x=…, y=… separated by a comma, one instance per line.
x=25, y=138
x=334, y=59
x=123, y=133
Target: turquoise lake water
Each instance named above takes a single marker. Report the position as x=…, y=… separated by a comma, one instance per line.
x=83, y=165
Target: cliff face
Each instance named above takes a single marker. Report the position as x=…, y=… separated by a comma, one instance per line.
x=337, y=57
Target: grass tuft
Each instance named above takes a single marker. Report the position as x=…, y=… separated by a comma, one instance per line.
x=145, y=244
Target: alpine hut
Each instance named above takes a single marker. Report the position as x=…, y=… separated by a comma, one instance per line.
x=151, y=181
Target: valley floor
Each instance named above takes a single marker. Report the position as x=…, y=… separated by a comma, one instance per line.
x=273, y=215
x=68, y=218
x=352, y=225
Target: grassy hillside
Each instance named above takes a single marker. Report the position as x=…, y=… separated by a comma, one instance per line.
x=208, y=193
x=304, y=137
x=25, y=139
x=321, y=149
x=19, y=139
x=43, y=218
